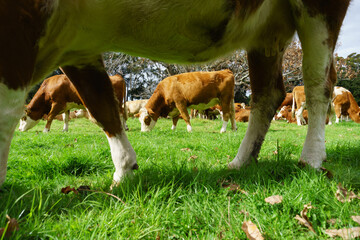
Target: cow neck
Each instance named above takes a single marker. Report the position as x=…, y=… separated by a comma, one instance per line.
x=156, y=106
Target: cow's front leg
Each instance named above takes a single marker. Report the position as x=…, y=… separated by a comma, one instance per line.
x=267, y=94
x=66, y=120
x=56, y=108
x=12, y=106
x=97, y=94
x=184, y=114
x=175, y=120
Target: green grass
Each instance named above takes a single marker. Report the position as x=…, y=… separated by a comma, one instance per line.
x=175, y=194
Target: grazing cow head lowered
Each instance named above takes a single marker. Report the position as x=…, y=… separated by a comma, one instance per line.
x=37, y=36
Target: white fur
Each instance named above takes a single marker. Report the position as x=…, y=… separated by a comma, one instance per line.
x=223, y=128
x=145, y=128
x=173, y=127
x=123, y=156
x=12, y=105
x=189, y=128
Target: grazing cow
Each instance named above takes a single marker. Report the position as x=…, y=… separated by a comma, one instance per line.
x=242, y=115
x=196, y=90
x=288, y=101
x=58, y=95
x=298, y=104
x=37, y=36
x=133, y=107
x=345, y=105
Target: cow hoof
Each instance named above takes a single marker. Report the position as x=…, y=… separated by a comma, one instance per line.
x=46, y=130
x=135, y=166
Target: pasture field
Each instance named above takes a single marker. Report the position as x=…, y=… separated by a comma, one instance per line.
x=182, y=189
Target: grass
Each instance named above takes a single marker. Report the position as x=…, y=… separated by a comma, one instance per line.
x=178, y=192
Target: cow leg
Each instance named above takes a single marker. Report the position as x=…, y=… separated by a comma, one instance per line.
x=66, y=120
x=12, y=107
x=318, y=34
x=228, y=108
x=299, y=115
x=185, y=115
x=338, y=115
x=56, y=108
x=175, y=120
x=96, y=92
x=267, y=94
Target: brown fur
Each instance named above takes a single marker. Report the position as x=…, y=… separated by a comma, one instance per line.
x=345, y=104
x=242, y=115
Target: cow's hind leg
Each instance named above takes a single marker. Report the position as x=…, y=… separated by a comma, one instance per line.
x=12, y=106
x=267, y=94
x=96, y=92
x=318, y=31
x=56, y=108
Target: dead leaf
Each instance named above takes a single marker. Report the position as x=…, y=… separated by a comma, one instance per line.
x=185, y=149
x=343, y=195
x=332, y=221
x=274, y=199
x=67, y=189
x=252, y=231
x=192, y=157
x=303, y=219
x=12, y=225
x=233, y=187
x=356, y=219
x=345, y=233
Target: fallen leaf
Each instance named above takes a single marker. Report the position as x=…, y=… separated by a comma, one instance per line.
x=251, y=230
x=345, y=233
x=356, y=219
x=343, y=195
x=332, y=221
x=303, y=219
x=185, y=149
x=12, y=225
x=192, y=157
x=274, y=199
x=233, y=187
x=67, y=189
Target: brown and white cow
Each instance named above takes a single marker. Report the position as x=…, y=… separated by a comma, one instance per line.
x=298, y=104
x=196, y=90
x=288, y=101
x=37, y=36
x=133, y=107
x=345, y=105
x=57, y=95
x=242, y=115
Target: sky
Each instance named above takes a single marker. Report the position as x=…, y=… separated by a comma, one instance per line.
x=349, y=38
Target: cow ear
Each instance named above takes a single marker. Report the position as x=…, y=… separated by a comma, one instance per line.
x=147, y=120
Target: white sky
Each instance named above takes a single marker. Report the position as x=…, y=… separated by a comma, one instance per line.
x=349, y=39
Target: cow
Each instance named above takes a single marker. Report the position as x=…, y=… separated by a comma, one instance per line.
x=196, y=90
x=288, y=101
x=298, y=104
x=345, y=105
x=37, y=36
x=133, y=107
x=57, y=95
x=242, y=115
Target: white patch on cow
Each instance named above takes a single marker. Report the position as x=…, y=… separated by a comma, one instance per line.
x=123, y=156
x=144, y=127
x=189, y=128
x=12, y=106
x=65, y=116
x=223, y=128
x=27, y=123
x=280, y=113
x=173, y=127
x=317, y=56
x=339, y=90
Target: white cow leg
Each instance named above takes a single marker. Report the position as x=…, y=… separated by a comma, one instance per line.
x=12, y=106
x=267, y=95
x=66, y=121
x=123, y=155
x=223, y=128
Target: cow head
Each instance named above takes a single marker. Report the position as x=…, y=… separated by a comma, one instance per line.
x=26, y=122
x=147, y=123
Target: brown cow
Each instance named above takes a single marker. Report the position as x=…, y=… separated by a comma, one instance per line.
x=58, y=95
x=298, y=104
x=196, y=90
x=133, y=107
x=288, y=101
x=242, y=115
x=37, y=36
x=345, y=105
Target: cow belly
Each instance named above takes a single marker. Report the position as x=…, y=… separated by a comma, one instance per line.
x=203, y=106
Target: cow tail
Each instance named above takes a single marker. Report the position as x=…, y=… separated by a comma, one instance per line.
x=293, y=106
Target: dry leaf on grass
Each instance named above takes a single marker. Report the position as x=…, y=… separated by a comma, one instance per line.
x=192, y=157
x=343, y=195
x=345, y=233
x=233, y=187
x=12, y=225
x=185, y=149
x=303, y=219
x=274, y=199
x=251, y=230
x=332, y=221
x=356, y=219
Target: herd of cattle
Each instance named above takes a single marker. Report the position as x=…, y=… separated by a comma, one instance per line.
x=38, y=36
x=207, y=94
